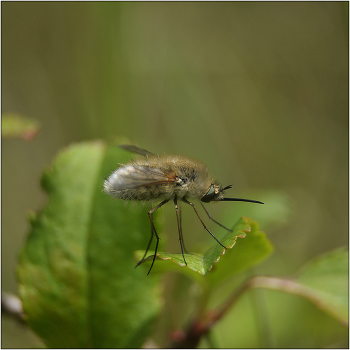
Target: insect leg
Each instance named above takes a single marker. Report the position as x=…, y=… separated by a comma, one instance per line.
x=192, y=205
x=179, y=228
x=215, y=220
x=149, y=244
x=150, y=213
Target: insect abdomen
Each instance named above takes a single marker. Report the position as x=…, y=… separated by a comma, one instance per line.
x=138, y=182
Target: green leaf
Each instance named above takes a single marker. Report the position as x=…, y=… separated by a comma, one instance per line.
x=204, y=263
x=324, y=281
x=247, y=253
x=17, y=126
x=327, y=280
x=77, y=276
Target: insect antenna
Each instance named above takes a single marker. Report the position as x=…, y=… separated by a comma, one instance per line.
x=192, y=205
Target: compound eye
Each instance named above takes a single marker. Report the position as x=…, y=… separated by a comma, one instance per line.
x=211, y=194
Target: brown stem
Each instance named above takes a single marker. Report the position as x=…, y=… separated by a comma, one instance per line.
x=200, y=327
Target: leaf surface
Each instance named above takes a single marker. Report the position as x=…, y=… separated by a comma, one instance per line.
x=327, y=279
x=220, y=262
x=78, y=281
x=324, y=281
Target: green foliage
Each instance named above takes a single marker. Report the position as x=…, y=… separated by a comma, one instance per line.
x=204, y=263
x=77, y=277
x=250, y=250
x=78, y=281
x=327, y=281
x=16, y=126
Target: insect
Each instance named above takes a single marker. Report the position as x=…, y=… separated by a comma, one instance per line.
x=164, y=178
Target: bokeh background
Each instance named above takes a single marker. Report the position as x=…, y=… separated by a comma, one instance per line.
x=256, y=90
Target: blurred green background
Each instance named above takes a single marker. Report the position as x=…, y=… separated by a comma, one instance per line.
x=256, y=90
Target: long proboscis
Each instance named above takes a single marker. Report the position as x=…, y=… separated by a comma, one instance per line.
x=241, y=200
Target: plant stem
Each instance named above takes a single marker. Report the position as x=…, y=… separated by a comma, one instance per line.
x=203, y=323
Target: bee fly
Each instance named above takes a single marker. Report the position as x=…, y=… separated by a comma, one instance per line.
x=162, y=178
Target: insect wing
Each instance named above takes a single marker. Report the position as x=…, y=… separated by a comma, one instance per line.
x=137, y=150
x=133, y=176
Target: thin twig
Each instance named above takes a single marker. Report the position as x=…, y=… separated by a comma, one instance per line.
x=281, y=284
x=201, y=326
